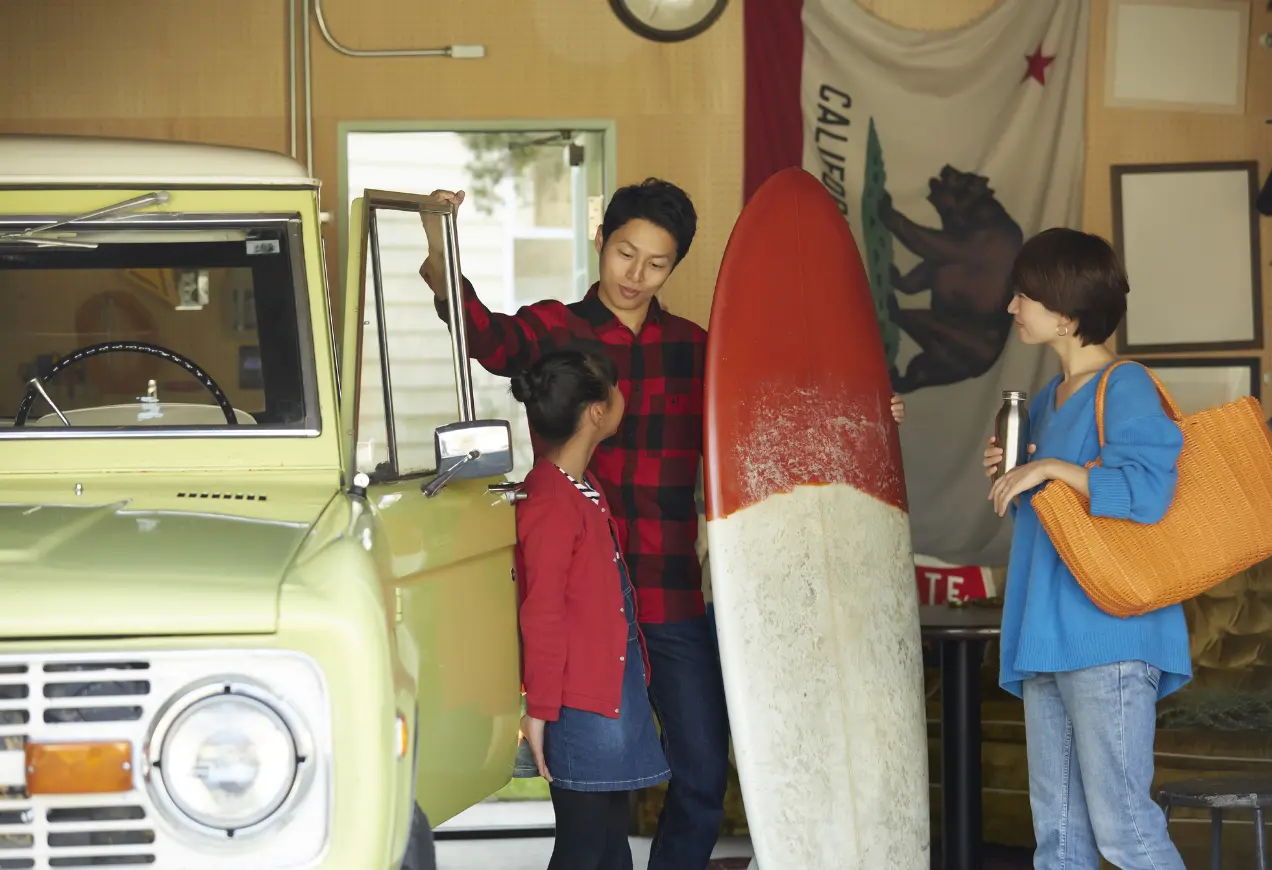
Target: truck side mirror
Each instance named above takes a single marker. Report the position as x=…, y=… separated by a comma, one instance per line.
x=468, y=450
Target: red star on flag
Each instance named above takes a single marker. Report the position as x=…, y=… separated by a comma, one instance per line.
x=1038, y=63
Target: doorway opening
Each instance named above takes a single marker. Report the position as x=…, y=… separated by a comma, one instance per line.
x=535, y=195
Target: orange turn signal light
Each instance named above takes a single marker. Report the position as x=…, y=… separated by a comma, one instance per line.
x=78, y=768
x=401, y=736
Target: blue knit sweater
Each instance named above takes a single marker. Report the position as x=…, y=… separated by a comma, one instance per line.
x=1049, y=623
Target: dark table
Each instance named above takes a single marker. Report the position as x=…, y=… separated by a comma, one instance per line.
x=1217, y=795
x=960, y=635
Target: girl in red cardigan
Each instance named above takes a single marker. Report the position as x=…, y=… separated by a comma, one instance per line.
x=588, y=721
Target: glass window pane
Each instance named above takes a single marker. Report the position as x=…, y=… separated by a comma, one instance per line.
x=420, y=366
x=221, y=295
x=538, y=265
x=534, y=201
x=373, y=434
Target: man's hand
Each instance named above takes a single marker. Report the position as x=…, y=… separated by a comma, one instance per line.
x=433, y=268
x=898, y=409
x=433, y=222
x=532, y=728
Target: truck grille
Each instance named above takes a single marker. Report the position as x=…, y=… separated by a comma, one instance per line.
x=91, y=698
x=61, y=694
x=74, y=692
x=82, y=837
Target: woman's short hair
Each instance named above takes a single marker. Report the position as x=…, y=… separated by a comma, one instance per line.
x=1077, y=275
x=559, y=387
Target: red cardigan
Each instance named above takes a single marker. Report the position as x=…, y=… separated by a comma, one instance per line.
x=573, y=623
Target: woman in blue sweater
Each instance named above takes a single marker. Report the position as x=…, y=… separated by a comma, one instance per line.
x=1090, y=681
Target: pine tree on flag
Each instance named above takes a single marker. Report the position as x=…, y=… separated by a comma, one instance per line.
x=878, y=242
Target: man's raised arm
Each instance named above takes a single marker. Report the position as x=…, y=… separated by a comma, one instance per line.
x=502, y=343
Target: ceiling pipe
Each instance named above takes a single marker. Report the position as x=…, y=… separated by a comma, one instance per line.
x=291, y=71
x=309, y=96
x=456, y=51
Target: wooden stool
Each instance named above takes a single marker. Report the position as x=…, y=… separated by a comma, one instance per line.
x=1217, y=795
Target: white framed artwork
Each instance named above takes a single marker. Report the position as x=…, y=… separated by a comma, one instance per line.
x=1188, y=235
x=1206, y=382
x=1177, y=55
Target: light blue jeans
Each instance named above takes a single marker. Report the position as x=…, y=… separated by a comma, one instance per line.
x=1089, y=735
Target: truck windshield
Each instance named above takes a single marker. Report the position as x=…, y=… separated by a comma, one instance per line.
x=155, y=324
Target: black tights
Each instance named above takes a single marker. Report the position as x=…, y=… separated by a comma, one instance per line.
x=591, y=830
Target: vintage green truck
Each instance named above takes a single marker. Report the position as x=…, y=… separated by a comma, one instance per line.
x=258, y=608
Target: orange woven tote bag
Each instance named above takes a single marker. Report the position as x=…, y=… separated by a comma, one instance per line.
x=1219, y=524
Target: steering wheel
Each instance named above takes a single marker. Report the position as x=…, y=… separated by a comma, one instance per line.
x=141, y=347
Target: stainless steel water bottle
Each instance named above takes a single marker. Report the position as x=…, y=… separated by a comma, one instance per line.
x=1011, y=431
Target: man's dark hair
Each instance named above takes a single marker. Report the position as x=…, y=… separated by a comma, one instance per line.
x=1076, y=275
x=661, y=203
x=559, y=387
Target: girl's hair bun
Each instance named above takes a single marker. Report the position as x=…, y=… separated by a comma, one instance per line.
x=558, y=388
x=524, y=386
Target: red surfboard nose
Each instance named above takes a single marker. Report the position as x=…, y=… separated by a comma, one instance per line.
x=797, y=386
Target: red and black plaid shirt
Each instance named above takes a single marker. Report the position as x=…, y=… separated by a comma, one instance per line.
x=649, y=469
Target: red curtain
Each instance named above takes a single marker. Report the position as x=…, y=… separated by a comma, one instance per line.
x=774, y=46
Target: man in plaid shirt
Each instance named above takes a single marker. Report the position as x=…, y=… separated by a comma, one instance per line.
x=648, y=470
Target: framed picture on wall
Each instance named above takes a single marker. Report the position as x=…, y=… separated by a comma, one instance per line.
x=1188, y=234
x=1177, y=55
x=1207, y=382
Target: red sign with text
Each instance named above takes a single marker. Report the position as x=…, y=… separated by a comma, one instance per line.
x=941, y=584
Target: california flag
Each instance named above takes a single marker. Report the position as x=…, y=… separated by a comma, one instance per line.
x=945, y=151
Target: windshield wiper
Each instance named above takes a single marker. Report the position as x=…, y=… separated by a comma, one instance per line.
x=39, y=388
x=158, y=197
x=46, y=243
x=30, y=237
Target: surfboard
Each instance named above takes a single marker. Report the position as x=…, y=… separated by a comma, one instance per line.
x=812, y=572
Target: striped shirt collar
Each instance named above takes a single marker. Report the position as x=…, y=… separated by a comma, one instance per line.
x=583, y=486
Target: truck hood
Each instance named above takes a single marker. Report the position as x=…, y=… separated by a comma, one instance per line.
x=128, y=569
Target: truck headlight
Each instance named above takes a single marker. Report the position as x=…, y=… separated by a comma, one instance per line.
x=227, y=757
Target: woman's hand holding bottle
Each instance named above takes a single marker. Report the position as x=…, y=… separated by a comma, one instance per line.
x=1006, y=488
x=994, y=456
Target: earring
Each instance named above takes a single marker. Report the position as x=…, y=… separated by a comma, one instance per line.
x=1062, y=331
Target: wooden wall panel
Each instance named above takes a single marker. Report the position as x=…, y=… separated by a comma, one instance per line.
x=217, y=72
x=678, y=107
x=1118, y=136
x=211, y=72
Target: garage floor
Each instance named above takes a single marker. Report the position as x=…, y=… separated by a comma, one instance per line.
x=482, y=852
x=509, y=851
x=533, y=854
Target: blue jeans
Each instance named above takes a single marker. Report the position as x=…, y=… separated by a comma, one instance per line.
x=1089, y=735
x=687, y=693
